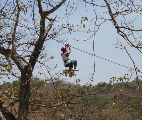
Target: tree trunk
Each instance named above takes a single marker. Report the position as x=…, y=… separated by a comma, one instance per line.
x=5, y=112
x=24, y=94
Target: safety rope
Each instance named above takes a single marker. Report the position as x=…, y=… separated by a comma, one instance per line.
x=93, y=54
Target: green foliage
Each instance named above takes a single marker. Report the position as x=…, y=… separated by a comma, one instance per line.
x=45, y=118
x=36, y=82
x=99, y=102
x=16, y=83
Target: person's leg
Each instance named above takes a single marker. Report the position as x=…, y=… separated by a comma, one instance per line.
x=74, y=63
x=70, y=65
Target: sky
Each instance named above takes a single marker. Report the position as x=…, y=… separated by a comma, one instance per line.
x=104, y=46
x=105, y=41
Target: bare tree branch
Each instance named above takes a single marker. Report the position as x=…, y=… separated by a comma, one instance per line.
x=54, y=8
x=132, y=61
x=42, y=37
x=4, y=51
x=121, y=33
x=14, y=56
x=40, y=7
x=138, y=30
x=16, y=24
x=94, y=4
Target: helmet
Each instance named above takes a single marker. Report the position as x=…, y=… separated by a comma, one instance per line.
x=63, y=49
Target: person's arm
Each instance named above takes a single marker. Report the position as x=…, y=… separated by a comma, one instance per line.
x=68, y=52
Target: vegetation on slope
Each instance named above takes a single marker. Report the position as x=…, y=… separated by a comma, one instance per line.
x=65, y=101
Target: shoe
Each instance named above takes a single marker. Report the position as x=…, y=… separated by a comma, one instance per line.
x=75, y=69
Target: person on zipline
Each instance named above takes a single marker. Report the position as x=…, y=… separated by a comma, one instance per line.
x=66, y=50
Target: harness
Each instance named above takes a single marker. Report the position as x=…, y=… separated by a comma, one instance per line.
x=65, y=59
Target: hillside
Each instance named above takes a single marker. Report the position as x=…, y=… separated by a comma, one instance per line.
x=65, y=101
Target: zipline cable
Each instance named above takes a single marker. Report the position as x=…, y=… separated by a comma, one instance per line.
x=92, y=54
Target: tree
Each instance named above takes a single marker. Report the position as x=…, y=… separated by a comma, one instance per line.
x=125, y=16
x=22, y=39
x=25, y=26
x=119, y=13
